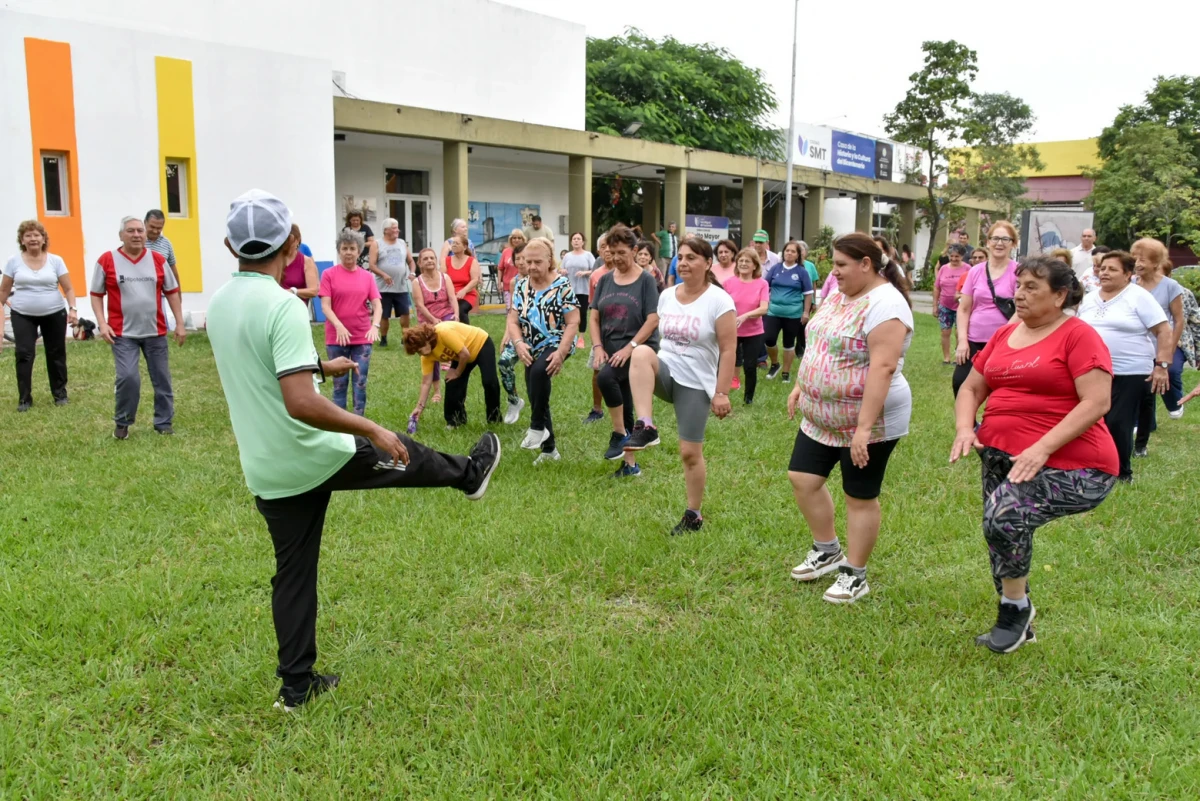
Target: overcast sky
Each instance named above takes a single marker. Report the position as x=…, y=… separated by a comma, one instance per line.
x=1074, y=70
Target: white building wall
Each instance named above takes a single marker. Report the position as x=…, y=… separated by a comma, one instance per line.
x=471, y=56
x=506, y=182
x=249, y=133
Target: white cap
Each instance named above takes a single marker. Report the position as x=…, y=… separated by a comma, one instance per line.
x=258, y=224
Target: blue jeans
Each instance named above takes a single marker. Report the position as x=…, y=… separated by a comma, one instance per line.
x=360, y=355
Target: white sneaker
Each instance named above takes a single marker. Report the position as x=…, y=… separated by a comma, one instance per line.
x=547, y=458
x=847, y=589
x=534, y=439
x=514, y=411
x=817, y=564
x=1175, y=415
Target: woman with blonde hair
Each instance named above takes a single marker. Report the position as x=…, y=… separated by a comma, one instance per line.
x=507, y=268
x=433, y=298
x=1154, y=276
x=987, y=302
x=37, y=306
x=751, y=298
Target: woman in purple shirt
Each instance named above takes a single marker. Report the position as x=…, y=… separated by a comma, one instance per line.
x=986, y=306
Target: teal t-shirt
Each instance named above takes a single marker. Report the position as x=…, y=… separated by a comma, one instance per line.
x=260, y=333
x=812, y=272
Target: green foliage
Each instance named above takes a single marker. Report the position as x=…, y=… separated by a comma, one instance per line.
x=1173, y=101
x=1189, y=277
x=1147, y=187
x=693, y=95
x=967, y=140
x=820, y=251
x=926, y=276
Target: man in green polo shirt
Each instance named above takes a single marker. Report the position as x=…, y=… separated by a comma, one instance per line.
x=296, y=446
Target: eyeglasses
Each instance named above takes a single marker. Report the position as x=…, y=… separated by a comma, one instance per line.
x=1000, y=240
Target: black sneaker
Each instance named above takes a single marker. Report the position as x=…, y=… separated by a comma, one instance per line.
x=594, y=417
x=616, y=446
x=628, y=471
x=643, y=437
x=485, y=455
x=1012, y=628
x=773, y=372
x=292, y=697
x=785, y=377
x=166, y=431
x=383, y=342
x=1141, y=452
x=121, y=432
x=24, y=407
x=690, y=522
x=1030, y=637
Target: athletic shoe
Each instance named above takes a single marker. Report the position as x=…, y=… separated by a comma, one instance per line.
x=383, y=342
x=1178, y=413
x=643, y=437
x=847, y=588
x=762, y=364
x=1011, y=630
x=546, y=458
x=616, y=446
x=412, y=425
x=290, y=699
x=485, y=455
x=513, y=412
x=23, y=407
x=818, y=563
x=628, y=471
x=786, y=377
x=166, y=431
x=773, y=372
x=61, y=401
x=1141, y=453
x=594, y=417
x=689, y=523
x=735, y=385
x=534, y=439
x=121, y=432
x=1125, y=479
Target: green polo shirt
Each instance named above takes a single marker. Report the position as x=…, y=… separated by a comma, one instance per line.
x=260, y=333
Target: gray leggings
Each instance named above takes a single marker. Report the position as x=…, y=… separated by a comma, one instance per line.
x=691, y=405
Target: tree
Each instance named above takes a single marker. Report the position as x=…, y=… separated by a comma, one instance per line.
x=1174, y=102
x=693, y=95
x=1147, y=187
x=967, y=140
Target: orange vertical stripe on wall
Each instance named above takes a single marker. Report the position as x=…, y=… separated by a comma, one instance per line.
x=52, y=123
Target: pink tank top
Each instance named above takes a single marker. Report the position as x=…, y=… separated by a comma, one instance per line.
x=438, y=303
x=293, y=274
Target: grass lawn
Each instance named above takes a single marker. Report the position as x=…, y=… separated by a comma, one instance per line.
x=552, y=641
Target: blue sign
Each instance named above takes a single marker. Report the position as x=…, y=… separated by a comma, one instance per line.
x=712, y=229
x=853, y=155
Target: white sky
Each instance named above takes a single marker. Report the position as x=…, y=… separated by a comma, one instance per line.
x=1074, y=70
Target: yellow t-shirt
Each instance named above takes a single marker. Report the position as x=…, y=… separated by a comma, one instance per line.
x=452, y=338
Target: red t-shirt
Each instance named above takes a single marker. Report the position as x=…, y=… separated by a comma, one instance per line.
x=508, y=270
x=1033, y=389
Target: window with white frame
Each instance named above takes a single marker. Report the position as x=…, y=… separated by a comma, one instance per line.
x=56, y=183
x=177, y=188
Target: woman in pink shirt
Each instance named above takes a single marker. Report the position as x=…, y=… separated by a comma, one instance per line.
x=945, y=287
x=351, y=304
x=751, y=297
x=987, y=299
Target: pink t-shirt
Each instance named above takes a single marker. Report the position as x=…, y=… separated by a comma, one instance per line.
x=829, y=287
x=986, y=319
x=947, y=285
x=725, y=274
x=748, y=296
x=350, y=293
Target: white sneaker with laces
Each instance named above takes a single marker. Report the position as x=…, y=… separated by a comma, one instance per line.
x=847, y=589
x=1177, y=414
x=818, y=563
x=513, y=411
x=547, y=458
x=534, y=439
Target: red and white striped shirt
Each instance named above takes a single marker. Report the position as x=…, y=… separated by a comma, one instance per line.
x=135, y=289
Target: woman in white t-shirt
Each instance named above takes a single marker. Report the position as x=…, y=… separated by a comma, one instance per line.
x=855, y=404
x=692, y=370
x=30, y=286
x=1138, y=336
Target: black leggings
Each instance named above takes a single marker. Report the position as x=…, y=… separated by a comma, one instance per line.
x=538, y=385
x=53, y=329
x=464, y=312
x=1128, y=392
x=750, y=345
x=615, y=389
x=793, y=332
x=963, y=371
x=455, y=401
x=583, y=311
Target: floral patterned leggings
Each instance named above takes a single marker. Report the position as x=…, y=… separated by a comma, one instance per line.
x=508, y=372
x=1012, y=512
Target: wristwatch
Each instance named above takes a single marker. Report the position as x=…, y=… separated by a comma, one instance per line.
x=1163, y=365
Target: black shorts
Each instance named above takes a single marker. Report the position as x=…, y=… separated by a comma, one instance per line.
x=814, y=458
x=792, y=328
x=399, y=302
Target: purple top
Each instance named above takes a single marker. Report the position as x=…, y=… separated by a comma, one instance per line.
x=986, y=319
x=293, y=274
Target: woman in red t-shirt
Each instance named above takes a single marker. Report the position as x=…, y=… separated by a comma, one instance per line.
x=1046, y=452
x=508, y=265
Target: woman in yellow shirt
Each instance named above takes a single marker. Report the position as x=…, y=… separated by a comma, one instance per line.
x=465, y=347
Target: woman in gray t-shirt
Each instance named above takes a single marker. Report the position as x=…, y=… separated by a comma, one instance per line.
x=577, y=266
x=30, y=286
x=391, y=263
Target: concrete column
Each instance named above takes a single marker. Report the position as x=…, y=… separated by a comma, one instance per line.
x=675, y=198
x=454, y=181
x=907, y=209
x=814, y=213
x=651, y=207
x=971, y=223
x=579, y=197
x=864, y=213
x=752, y=211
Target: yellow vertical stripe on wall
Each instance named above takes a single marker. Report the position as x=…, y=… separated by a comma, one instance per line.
x=177, y=142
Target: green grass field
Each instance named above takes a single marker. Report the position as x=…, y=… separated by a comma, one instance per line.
x=552, y=641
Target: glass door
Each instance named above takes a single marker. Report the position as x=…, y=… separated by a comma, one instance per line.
x=412, y=213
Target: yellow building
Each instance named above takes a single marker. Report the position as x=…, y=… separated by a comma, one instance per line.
x=1061, y=182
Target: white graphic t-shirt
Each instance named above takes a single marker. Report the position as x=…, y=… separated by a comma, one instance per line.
x=689, y=336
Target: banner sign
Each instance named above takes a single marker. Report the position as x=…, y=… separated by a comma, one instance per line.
x=813, y=147
x=710, y=229
x=853, y=155
x=883, y=160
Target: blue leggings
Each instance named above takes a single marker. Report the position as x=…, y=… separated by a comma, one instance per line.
x=360, y=355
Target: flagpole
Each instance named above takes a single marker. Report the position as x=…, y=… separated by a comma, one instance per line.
x=791, y=150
